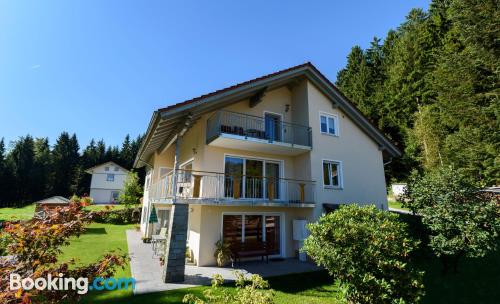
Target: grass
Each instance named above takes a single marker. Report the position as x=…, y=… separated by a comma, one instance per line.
x=14, y=213
x=98, y=240
x=396, y=204
x=476, y=280
x=314, y=288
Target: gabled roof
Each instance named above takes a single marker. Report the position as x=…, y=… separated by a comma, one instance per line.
x=89, y=170
x=54, y=200
x=166, y=122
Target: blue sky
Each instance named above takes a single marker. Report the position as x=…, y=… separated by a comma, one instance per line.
x=100, y=68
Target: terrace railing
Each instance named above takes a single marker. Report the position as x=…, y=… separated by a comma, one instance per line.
x=250, y=126
x=217, y=187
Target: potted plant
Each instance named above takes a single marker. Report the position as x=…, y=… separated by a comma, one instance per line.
x=222, y=253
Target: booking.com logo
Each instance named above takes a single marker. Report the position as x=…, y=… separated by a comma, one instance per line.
x=81, y=285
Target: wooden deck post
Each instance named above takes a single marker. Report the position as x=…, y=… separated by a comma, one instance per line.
x=302, y=192
x=270, y=190
x=236, y=187
x=196, y=185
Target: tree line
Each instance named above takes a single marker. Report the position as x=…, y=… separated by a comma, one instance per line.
x=32, y=170
x=433, y=87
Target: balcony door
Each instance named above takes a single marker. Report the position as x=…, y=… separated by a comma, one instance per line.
x=273, y=126
x=251, y=178
x=254, y=183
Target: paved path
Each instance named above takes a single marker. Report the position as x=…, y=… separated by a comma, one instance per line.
x=146, y=269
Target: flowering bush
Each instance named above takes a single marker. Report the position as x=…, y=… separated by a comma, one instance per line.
x=35, y=246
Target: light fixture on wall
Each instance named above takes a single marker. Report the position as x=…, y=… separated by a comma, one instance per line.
x=287, y=108
x=194, y=151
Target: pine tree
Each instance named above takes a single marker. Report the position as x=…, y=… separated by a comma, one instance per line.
x=66, y=165
x=42, y=169
x=22, y=158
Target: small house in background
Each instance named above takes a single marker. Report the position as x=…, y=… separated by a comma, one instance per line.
x=107, y=182
x=398, y=190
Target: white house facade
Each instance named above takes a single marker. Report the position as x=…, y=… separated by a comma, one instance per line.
x=107, y=182
x=252, y=163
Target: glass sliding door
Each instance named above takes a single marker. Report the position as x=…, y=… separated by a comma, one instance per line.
x=272, y=180
x=253, y=178
x=232, y=231
x=233, y=177
x=272, y=231
x=253, y=229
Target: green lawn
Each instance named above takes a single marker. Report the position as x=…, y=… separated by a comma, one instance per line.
x=98, y=240
x=476, y=282
x=396, y=204
x=314, y=288
x=23, y=213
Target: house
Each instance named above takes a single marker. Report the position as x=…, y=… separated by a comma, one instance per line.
x=248, y=163
x=107, y=182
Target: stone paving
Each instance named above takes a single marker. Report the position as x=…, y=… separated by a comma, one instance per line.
x=147, y=272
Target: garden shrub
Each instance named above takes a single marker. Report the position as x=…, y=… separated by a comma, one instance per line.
x=368, y=250
x=118, y=217
x=251, y=290
x=461, y=219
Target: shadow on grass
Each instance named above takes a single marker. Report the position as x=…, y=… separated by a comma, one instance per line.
x=95, y=231
x=477, y=280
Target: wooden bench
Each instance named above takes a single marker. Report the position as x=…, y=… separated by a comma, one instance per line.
x=249, y=250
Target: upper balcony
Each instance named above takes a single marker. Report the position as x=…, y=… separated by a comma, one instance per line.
x=261, y=134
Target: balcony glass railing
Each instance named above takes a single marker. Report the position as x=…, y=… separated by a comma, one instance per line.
x=214, y=186
x=271, y=128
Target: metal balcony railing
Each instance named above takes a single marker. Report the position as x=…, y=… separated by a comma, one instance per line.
x=192, y=184
x=250, y=126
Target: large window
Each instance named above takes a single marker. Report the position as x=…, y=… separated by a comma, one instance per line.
x=252, y=178
x=253, y=228
x=332, y=174
x=110, y=177
x=329, y=124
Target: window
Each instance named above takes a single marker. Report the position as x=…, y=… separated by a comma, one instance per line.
x=332, y=172
x=114, y=196
x=117, y=169
x=110, y=177
x=106, y=168
x=253, y=229
x=329, y=124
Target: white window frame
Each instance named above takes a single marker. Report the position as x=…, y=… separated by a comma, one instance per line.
x=340, y=173
x=110, y=175
x=281, y=163
x=243, y=213
x=335, y=122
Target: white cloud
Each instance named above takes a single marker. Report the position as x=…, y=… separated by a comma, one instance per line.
x=35, y=66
